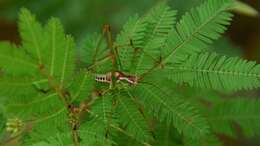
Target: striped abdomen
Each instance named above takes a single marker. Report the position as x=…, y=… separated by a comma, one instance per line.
x=105, y=78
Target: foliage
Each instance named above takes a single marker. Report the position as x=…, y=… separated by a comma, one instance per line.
x=56, y=100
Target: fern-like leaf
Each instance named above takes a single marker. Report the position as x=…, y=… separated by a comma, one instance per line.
x=81, y=86
x=49, y=124
x=132, y=119
x=60, y=51
x=15, y=86
x=160, y=21
x=244, y=112
x=52, y=52
x=210, y=140
x=33, y=105
x=209, y=70
x=166, y=135
x=103, y=107
x=13, y=60
x=131, y=37
x=173, y=110
x=94, y=52
x=44, y=113
x=33, y=35
x=198, y=28
x=68, y=61
x=60, y=139
x=95, y=132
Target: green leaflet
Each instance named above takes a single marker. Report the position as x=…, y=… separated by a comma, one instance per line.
x=56, y=122
x=243, y=111
x=160, y=22
x=49, y=124
x=60, y=52
x=60, y=139
x=210, y=140
x=81, y=86
x=46, y=113
x=68, y=62
x=52, y=49
x=141, y=38
x=103, y=108
x=14, y=60
x=131, y=118
x=47, y=58
x=124, y=140
x=15, y=86
x=129, y=39
x=166, y=107
x=209, y=70
x=33, y=36
x=166, y=135
x=33, y=105
x=93, y=49
x=134, y=30
x=103, y=118
x=95, y=55
x=93, y=133
x=197, y=29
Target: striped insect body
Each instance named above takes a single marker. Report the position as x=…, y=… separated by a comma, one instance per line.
x=133, y=80
x=105, y=78
x=119, y=76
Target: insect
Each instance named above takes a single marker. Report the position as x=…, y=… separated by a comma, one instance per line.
x=119, y=76
x=105, y=78
x=133, y=80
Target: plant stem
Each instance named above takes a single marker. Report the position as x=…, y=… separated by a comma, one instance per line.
x=99, y=62
x=113, y=53
x=62, y=94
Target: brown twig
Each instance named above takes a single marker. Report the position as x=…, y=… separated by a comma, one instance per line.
x=107, y=30
x=73, y=121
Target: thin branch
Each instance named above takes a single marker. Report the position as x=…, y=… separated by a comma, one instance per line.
x=99, y=62
x=107, y=30
x=63, y=95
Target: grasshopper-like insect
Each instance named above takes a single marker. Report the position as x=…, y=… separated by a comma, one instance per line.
x=119, y=76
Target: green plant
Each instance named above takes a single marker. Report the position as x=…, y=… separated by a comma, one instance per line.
x=51, y=98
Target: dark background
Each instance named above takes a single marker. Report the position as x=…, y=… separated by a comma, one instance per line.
x=81, y=17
